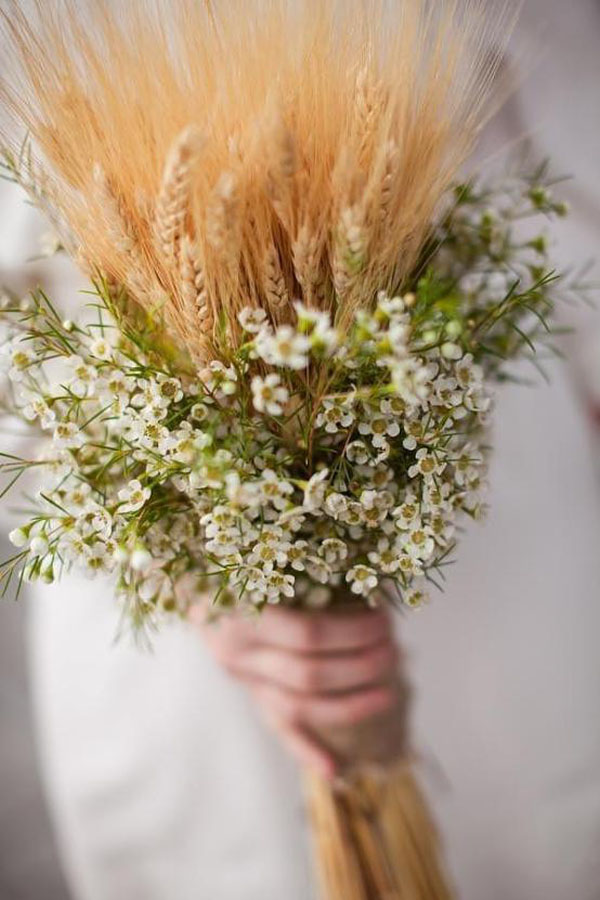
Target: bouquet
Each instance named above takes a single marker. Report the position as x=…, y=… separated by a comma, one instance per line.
x=279, y=387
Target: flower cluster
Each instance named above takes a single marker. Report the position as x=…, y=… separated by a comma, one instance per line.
x=311, y=465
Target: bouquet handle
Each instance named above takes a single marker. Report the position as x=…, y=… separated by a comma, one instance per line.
x=374, y=836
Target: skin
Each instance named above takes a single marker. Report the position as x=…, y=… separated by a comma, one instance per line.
x=309, y=670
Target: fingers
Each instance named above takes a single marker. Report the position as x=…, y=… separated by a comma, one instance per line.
x=309, y=671
x=320, y=673
x=323, y=632
x=323, y=710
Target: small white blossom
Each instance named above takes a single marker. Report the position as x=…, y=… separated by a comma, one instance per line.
x=67, y=435
x=426, y=465
x=269, y=395
x=284, y=348
x=315, y=490
x=101, y=349
x=335, y=415
x=133, y=496
x=252, y=320
x=362, y=579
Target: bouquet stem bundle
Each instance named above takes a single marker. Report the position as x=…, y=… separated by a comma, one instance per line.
x=375, y=839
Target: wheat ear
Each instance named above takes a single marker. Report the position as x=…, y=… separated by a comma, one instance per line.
x=306, y=251
x=174, y=196
x=121, y=234
x=350, y=248
x=196, y=310
x=274, y=281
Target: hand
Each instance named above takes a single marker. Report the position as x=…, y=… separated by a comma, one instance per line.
x=309, y=670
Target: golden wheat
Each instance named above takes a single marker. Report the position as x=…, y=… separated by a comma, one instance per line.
x=298, y=148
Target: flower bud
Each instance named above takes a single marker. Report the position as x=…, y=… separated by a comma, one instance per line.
x=451, y=350
x=141, y=559
x=18, y=537
x=39, y=546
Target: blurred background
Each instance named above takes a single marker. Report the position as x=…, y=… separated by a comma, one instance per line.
x=559, y=55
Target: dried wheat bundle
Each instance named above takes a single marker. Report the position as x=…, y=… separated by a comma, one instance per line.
x=211, y=156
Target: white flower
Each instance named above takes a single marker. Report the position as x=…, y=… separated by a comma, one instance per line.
x=95, y=519
x=278, y=584
x=101, y=349
x=67, y=435
x=468, y=465
x=336, y=504
x=335, y=414
x=354, y=514
x=390, y=307
x=468, y=374
x=219, y=379
x=73, y=547
x=84, y=377
x=223, y=544
x=318, y=569
x=275, y=489
x=78, y=496
x=315, y=490
x=357, y=452
x=169, y=389
x=333, y=550
x=99, y=557
x=284, y=348
x=21, y=360
x=317, y=325
x=268, y=553
x=362, y=579
x=419, y=543
x=407, y=514
x=297, y=555
x=113, y=387
x=292, y=519
x=411, y=379
x=252, y=320
x=133, y=497
x=426, y=465
x=393, y=406
x=386, y=557
x=37, y=408
x=379, y=427
x=268, y=394
x=415, y=597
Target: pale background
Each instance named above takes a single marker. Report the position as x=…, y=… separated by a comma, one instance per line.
x=28, y=863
